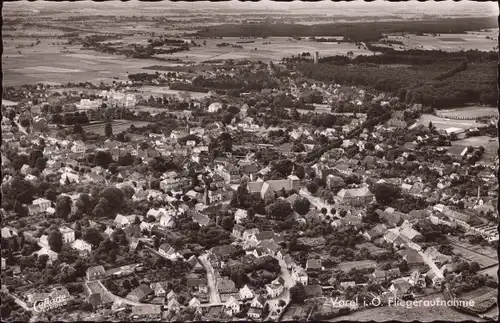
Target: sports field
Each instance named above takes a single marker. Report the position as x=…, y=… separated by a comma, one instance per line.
x=468, y=112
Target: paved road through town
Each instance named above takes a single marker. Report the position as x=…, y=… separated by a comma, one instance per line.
x=214, y=295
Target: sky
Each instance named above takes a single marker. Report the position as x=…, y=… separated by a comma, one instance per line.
x=324, y=7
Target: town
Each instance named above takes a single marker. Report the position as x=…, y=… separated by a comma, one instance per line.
x=274, y=196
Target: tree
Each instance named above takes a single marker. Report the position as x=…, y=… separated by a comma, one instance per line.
x=93, y=236
x=301, y=206
x=55, y=240
x=280, y=210
x=103, y=159
x=108, y=130
x=386, y=193
x=312, y=187
x=63, y=206
x=431, y=126
x=324, y=210
x=250, y=213
x=18, y=190
x=77, y=128
x=298, y=293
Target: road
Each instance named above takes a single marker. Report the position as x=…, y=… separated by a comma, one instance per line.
x=432, y=265
x=214, y=295
x=273, y=304
x=21, y=128
x=285, y=273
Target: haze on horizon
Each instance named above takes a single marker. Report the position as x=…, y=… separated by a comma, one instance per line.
x=325, y=7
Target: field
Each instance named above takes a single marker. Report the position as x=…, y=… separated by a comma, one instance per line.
x=347, y=266
x=403, y=314
x=485, y=256
x=46, y=63
x=449, y=42
x=147, y=91
x=444, y=123
x=269, y=49
x=294, y=311
x=490, y=145
x=492, y=271
x=118, y=126
x=468, y=112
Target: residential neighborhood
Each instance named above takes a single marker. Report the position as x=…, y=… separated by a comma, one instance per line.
x=274, y=203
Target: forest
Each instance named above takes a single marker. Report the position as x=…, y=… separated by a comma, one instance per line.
x=434, y=78
x=365, y=31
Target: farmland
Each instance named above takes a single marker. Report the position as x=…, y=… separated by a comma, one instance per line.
x=404, y=314
x=269, y=49
x=118, y=126
x=449, y=42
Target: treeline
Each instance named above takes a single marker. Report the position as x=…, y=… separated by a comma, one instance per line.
x=362, y=31
x=414, y=57
x=417, y=84
x=70, y=118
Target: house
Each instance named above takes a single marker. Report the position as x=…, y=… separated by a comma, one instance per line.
x=254, y=313
x=299, y=274
x=195, y=303
x=238, y=231
x=68, y=234
x=42, y=204
x=122, y=221
x=200, y=218
x=274, y=290
x=96, y=273
x=82, y=246
x=345, y=285
x=333, y=181
x=167, y=221
x=355, y=196
x=50, y=253
x=214, y=107
x=232, y=306
x=313, y=265
x=239, y=215
x=246, y=293
x=195, y=264
x=78, y=147
x=69, y=177
x=139, y=293
x=226, y=286
x=268, y=189
x=251, y=234
x=159, y=289
x=168, y=252
x=400, y=288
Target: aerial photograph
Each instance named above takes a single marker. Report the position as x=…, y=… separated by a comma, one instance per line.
x=249, y=161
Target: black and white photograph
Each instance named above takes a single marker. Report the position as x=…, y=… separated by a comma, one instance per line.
x=262, y=161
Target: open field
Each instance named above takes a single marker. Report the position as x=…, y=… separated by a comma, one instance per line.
x=147, y=91
x=471, y=256
x=482, y=250
x=492, y=271
x=46, y=63
x=468, y=112
x=444, y=123
x=449, y=42
x=403, y=314
x=118, y=126
x=347, y=266
x=269, y=49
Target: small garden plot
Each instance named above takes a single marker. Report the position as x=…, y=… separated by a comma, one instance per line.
x=363, y=264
